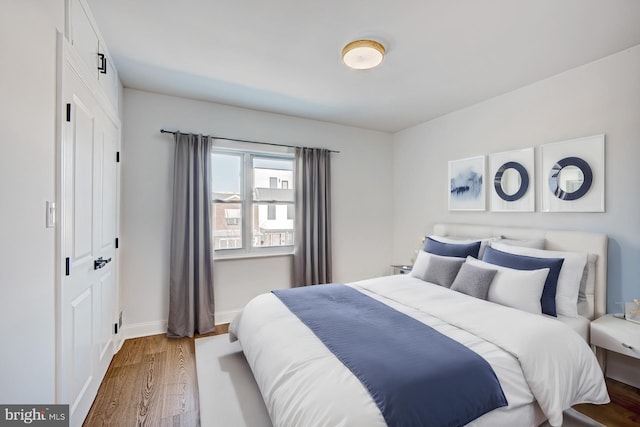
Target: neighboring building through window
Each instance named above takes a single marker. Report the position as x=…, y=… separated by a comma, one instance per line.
x=232, y=216
x=253, y=205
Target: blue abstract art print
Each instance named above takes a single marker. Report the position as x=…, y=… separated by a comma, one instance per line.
x=467, y=184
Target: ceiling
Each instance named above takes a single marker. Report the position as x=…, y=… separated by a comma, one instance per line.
x=283, y=56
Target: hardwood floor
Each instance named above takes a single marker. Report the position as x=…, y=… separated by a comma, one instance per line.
x=624, y=409
x=152, y=382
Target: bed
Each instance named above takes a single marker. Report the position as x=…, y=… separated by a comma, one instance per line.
x=310, y=373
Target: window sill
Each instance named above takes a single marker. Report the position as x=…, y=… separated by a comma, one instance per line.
x=231, y=257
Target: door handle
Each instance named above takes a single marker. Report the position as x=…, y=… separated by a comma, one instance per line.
x=100, y=262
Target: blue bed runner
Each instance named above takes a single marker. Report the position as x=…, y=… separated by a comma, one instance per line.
x=416, y=375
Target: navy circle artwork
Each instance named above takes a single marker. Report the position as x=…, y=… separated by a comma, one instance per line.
x=582, y=190
x=524, y=181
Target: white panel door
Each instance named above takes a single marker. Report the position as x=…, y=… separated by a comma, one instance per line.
x=106, y=220
x=88, y=290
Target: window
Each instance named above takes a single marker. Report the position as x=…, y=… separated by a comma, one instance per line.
x=253, y=204
x=227, y=196
x=271, y=211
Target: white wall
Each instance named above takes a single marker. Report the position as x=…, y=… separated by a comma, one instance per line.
x=600, y=97
x=361, y=183
x=27, y=181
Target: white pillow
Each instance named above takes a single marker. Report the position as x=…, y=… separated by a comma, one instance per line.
x=586, y=298
x=519, y=289
x=465, y=240
x=568, y=280
x=588, y=281
x=419, y=269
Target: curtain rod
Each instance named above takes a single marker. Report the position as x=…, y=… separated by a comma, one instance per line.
x=245, y=140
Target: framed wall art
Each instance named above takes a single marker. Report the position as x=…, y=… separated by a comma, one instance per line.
x=511, y=181
x=572, y=178
x=466, y=184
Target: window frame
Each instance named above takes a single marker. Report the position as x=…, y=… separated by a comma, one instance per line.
x=247, y=202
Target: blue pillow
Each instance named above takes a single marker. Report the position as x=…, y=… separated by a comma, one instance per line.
x=522, y=262
x=461, y=250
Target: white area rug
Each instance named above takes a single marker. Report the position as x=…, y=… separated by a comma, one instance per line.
x=573, y=418
x=229, y=395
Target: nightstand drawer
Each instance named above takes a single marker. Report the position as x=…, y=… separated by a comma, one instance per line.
x=617, y=335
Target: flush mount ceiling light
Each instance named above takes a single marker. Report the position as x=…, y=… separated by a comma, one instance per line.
x=363, y=54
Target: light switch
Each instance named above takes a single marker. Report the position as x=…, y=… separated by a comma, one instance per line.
x=51, y=214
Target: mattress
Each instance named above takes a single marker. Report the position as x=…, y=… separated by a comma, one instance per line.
x=303, y=383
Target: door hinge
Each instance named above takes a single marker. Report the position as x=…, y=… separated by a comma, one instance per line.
x=117, y=243
x=117, y=157
x=68, y=112
x=67, y=263
x=115, y=328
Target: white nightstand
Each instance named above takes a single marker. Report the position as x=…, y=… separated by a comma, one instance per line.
x=401, y=269
x=613, y=334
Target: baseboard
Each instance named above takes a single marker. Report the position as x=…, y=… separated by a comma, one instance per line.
x=118, y=342
x=144, y=329
x=226, y=316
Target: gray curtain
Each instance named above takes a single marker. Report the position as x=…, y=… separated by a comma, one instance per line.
x=312, y=256
x=191, y=264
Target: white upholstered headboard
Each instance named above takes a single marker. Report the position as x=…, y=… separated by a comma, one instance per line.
x=576, y=241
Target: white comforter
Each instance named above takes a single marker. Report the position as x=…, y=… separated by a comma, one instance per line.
x=535, y=358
